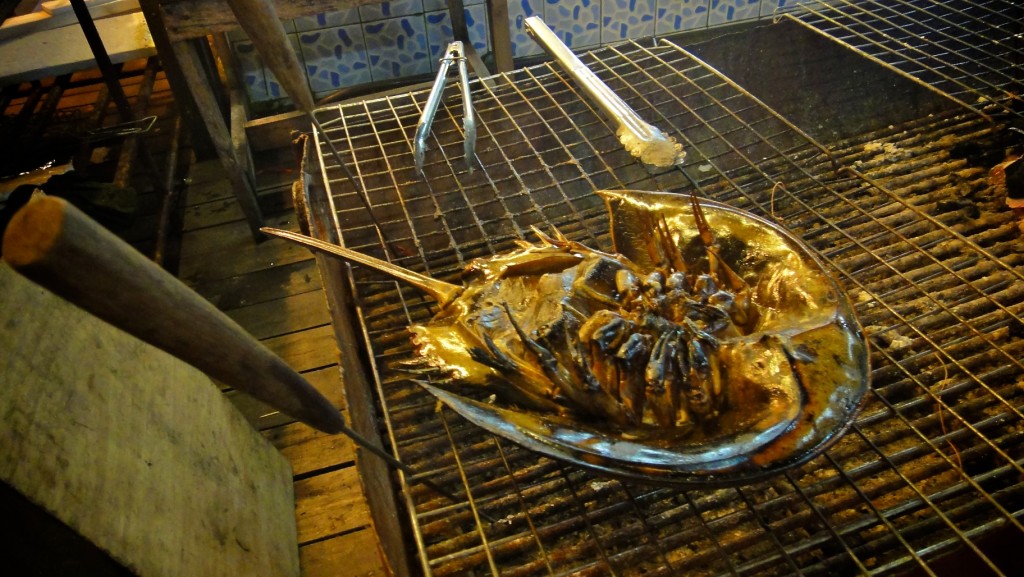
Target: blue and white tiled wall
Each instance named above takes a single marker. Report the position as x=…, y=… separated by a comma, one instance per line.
x=401, y=38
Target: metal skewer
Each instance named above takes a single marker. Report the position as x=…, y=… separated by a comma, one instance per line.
x=454, y=53
x=646, y=142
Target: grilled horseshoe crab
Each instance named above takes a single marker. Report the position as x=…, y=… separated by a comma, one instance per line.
x=710, y=348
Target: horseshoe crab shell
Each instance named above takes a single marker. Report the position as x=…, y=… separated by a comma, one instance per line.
x=795, y=378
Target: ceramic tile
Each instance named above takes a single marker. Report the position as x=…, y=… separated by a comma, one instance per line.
x=252, y=70
x=435, y=5
x=476, y=24
x=392, y=9
x=334, y=57
x=576, y=22
x=677, y=15
x=274, y=89
x=622, y=19
x=439, y=30
x=726, y=11
x=519, y=10
x=326, y=20
x=397, y=47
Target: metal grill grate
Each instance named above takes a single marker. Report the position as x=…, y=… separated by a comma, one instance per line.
x=932, y=465
x=970, y=50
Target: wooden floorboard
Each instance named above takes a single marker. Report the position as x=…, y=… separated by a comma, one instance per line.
x=273, y=290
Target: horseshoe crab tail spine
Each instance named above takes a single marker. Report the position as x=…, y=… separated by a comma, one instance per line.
x=440, y=291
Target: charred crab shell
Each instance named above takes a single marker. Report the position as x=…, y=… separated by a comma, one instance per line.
x=799, y=374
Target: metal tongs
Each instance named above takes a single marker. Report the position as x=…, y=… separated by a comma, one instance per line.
x=642, y=140
x=454, y=53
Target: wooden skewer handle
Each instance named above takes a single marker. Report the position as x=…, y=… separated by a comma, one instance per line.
x=59, y=247
x=260, y=21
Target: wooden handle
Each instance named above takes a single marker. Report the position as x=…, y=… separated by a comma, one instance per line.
x=260, y=21
x=57, y=246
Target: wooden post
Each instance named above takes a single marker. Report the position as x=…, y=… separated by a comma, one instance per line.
x=191, y=66
x=501, y=38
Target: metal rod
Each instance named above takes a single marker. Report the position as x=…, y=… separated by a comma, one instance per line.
x=429, y=110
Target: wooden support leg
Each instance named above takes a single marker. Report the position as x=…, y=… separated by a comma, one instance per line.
x=238, y=110
x=456, y=11
x=501, y=39
x=199, y=85
x=187, y=109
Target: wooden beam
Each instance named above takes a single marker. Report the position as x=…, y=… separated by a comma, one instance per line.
x=199, y=138
x=65, y=50
x=194, y=73
x=501, y=38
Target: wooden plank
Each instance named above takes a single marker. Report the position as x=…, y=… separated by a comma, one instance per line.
x=225, y=210
x=326, y=380
x=378, y=482
x=262, y=285
x=309, y=450
x=133, y=449
x=351, y=555
x=329, y=504
x=307, y=350
x=283, y=316
x=202, y=189
x=272, y=132
x=63, y=50
x=59, y=13
x=224, y=251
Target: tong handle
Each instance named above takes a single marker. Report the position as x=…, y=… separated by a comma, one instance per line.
x=454, y=53
x=641, y=139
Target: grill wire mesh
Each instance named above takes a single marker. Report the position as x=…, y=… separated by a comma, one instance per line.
x=909, y=225
x=971, y=51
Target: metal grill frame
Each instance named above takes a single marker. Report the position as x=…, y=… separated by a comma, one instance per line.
x=970, y=51
x=931, y=466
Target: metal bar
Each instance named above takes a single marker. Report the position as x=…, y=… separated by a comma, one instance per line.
x=890, y=67
x=476, y=512
x=546, y=168
x=757, y=101
x=476, y=223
